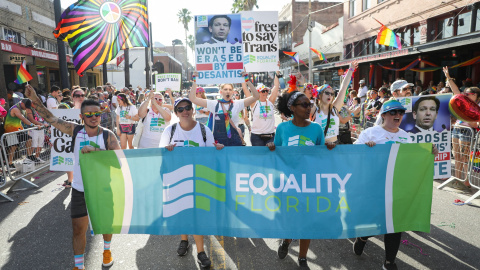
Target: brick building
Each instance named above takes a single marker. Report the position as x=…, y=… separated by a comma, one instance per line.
x=443, y=33
x=26, y=34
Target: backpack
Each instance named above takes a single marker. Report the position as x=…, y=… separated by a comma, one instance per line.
x=80, y=127
x=202, y=128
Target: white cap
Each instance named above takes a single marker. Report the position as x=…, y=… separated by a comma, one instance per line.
x=399, y=84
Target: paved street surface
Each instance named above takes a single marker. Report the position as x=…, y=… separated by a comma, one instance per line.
x=36, y=234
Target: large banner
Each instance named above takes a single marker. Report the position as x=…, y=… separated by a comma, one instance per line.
x=427, y=119
x=61, y=157
x=218, y=49
x=168, y=80
x=260, y=40
x=292, y=192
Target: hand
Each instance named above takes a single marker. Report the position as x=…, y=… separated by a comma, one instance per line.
x=354, y=65
x=30, y=92
x=445, y=71
x=371, y=144
x=219, y=146
x=87, y=149
x=118, y=131
x=271, y=146
x=168, y=91
x=195, y=74
x=244, y=73
x=170, y=147
x=434, y=150
x=330, y=145
x=150, y=95
x=128, y=116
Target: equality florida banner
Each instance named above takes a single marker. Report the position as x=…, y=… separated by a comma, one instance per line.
x=427, y=120
x=292, y=192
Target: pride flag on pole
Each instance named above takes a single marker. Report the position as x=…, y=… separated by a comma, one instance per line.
x=321, y=56
x=293, y=55
x=23, y=76
x=388, y=38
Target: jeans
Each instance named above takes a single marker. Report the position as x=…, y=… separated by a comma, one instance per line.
x=256, y=140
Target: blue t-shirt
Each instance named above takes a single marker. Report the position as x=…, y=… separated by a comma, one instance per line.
x=287, y=134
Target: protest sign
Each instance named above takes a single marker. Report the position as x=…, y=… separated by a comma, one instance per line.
x=218, y=49
x=427, y=119
x=260, y=40
x=62, y=157
x=168, y=80
x=292, y=192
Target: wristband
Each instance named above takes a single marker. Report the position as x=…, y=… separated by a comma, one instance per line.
x=352, y=114
x=246, y=78
x=351, y=69
x=194, y=78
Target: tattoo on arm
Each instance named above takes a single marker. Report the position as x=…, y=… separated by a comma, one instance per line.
x=112, y=141
x=63, y=126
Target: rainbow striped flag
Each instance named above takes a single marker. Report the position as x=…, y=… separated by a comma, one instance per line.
x=23, y=76
x=293, y=55
x=388, y=38
x=321, y=56
x=98, y=30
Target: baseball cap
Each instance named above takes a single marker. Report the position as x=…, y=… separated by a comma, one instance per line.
x=391, y=105
x=180, y=99
x=361, y=81
x=399, y=84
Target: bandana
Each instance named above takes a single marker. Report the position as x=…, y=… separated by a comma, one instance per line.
x=292, y=99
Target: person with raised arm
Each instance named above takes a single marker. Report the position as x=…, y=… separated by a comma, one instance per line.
x=155, y=117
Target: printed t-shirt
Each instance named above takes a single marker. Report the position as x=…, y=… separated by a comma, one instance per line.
x=191, y=138
x=288, y=134
x=124, y=111
x=379, y=135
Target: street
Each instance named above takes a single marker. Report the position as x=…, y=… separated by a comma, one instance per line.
x=36, y=233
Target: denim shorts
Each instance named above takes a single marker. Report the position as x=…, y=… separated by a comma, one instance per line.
x=462, y=134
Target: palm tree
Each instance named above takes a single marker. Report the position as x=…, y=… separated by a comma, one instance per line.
x=191, y=44
x=243, y=5
x=184, y=17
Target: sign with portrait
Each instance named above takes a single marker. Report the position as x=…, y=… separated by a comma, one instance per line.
x=218, y=49
x=62, y=157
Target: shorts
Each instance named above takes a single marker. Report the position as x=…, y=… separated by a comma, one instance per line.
x=38, y=137
x=134, y=127
x=78, y=207
x=11, y=139
x=463, y=134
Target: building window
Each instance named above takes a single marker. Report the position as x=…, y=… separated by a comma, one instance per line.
x=348, y=51
x=352, y=8
x=380, y=1
x=379, y=48
x=51, y=46
x=12, y=36
x=40, y=42
x=371, y=45
x=415, y=35
x=445, y=28
x=464, y=22
x=477, y=24
x=366, y=4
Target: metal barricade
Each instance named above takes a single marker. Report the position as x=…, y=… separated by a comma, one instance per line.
x=463, y=139
x=474, y=168
x=24, y=153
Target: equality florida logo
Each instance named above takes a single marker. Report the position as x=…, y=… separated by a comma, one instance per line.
x=59, y=160
x=192, y=186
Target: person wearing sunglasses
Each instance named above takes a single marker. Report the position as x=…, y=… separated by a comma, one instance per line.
x=201, y=113
x=127, y=114
x=155, y=119
x=388, y=132
x=78, y=96
x=224, y=113
x=188, y=133
x=300, y=131
x=461, y=137
x=86, y=138
x=328, y=106
x=263, y=115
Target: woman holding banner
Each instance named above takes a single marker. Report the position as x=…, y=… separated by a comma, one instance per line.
x=327, y=107
x=155, y=119
x=388, y=132
x=126, y=117
x=224, y=113
x=289, y=134
x=263, y=116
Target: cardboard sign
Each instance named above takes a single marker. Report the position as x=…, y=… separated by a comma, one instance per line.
x=168, y=80
x=62, y=157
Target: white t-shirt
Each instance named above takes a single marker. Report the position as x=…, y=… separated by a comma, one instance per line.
x=81, y=140
x=322, y=119
x=263, y=117
x=154, y=125
x=114, y=100
x=238, y=106
x=191, y=138
x=379, y=135
x=52, y=103
x=362, y=92
x=124, y=111
x=198, y=114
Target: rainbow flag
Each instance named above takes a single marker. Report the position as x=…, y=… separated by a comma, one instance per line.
x=321, y=56
x=388, y=38
x=98, y=30
x=23, y=76
x=292, y=55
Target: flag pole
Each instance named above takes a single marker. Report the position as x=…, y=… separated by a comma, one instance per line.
x=62, y=55
x=147, y=56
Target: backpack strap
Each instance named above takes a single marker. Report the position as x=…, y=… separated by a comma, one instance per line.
x=204, y=133
x=105, y=138
x=76, y=129
x=253, y=111
x=172, y=131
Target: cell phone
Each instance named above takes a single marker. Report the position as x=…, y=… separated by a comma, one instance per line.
x=282, y=82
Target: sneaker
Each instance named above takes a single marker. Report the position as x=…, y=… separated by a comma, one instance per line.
x=389, y=266
x=183, y=248
x=359, y=245
x=107, y=258
x=203, y=260
x=302, y=263
x=40, y=160
x=31, y=158
x=283, y=249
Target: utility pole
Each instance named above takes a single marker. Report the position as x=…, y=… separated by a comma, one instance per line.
x=147, y=58
x=310, y=29
x=127, y=67
x=62, y=55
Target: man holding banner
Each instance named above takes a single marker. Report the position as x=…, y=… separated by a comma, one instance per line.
x=91, y=137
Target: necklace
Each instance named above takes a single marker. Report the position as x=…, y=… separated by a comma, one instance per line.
x=96, y=140
x=392, y=134
x=265, y=113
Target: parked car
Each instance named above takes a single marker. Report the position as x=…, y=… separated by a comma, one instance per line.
x=213, y=96
x=211, y=89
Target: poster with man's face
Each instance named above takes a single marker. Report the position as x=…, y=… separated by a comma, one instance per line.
x=218, y=49
x=427, y=119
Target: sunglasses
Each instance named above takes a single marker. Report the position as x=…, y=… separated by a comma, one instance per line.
x=395, y=112
x=77, y=96
x=91, y=114
x=186, y=108
x=304, y=105
x=329, y=93
x=264, y=91
x=158, y=99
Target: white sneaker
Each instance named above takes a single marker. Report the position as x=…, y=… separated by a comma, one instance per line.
x=41, y=160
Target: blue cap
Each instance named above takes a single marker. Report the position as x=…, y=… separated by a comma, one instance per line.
x=180, y=99
x=391, y=105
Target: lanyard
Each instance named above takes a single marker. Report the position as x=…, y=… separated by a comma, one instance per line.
x=96, y=141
